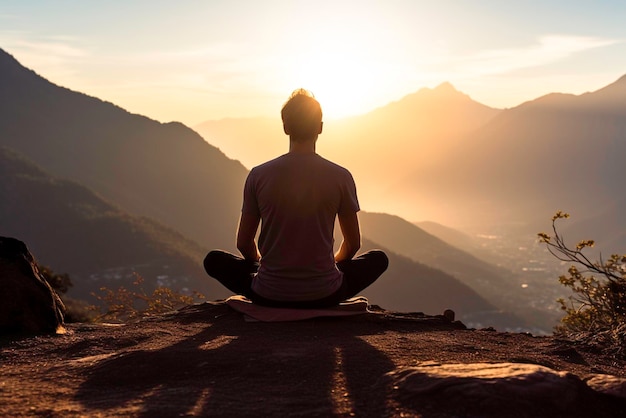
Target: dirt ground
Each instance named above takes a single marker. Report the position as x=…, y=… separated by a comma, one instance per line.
x=205, y=360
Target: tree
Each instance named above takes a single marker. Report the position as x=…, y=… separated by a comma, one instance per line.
x=596, y=311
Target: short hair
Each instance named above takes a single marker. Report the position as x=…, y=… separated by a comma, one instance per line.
x=302, y=114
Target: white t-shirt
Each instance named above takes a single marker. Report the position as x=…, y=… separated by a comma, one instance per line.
x=297, y=197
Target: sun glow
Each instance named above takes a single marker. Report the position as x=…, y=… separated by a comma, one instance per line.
x=341, y=71
x=339, y=83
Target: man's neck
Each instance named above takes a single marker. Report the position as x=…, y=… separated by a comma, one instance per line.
x=302, y=147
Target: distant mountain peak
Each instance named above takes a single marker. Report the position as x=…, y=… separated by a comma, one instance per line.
x=445, y=91
x=446, y=86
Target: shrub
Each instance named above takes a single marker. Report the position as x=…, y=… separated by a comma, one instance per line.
x=595, y=313
x=117, y=305
x=124, y=304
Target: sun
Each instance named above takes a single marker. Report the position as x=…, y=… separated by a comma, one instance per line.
x=341, y=71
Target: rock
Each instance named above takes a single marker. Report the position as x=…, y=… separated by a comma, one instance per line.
x=449, y=314
x=27, y=302
x=610, y=385
x=493, y=389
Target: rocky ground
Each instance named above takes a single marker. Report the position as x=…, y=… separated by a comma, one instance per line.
x=205, y=360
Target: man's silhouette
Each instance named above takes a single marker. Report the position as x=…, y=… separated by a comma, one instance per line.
x=295, y=198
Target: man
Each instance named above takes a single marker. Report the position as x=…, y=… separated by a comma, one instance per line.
x=296, y=199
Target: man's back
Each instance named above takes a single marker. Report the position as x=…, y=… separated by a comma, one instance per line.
x=298, y=196
x=296, y=199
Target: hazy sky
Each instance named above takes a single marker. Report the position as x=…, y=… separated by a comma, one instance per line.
x=196, y=60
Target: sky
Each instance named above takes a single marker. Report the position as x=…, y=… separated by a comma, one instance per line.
x=192, y=61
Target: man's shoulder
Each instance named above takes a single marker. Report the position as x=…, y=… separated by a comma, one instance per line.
x=268, y=164
x=310, y=161
x=334, y=166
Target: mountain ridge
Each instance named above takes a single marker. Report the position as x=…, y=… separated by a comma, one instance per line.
x=75, y=231
x=527, y=161
x=127, y=158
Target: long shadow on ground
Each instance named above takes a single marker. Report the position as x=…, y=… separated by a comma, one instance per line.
x=233, y=368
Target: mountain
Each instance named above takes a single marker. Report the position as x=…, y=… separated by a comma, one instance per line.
x=411, y=241
x=75, y=231
x=163, y=171
x=413, y=127
x=454, y=237
x=559, y=151
x=386, y=144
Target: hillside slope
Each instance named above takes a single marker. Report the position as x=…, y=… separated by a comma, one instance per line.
x=75, y=231
x=412, y=286
x=556, y=152
x=499, y=286
x=164, y=171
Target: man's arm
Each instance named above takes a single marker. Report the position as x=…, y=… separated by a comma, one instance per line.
x=248, y=224
x=349, y=223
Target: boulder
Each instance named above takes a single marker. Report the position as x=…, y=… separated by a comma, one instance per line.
x=604, y=383
x=496, y=389
x=27, y=302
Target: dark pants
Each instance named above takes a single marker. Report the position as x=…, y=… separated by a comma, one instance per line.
x=236, y=275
